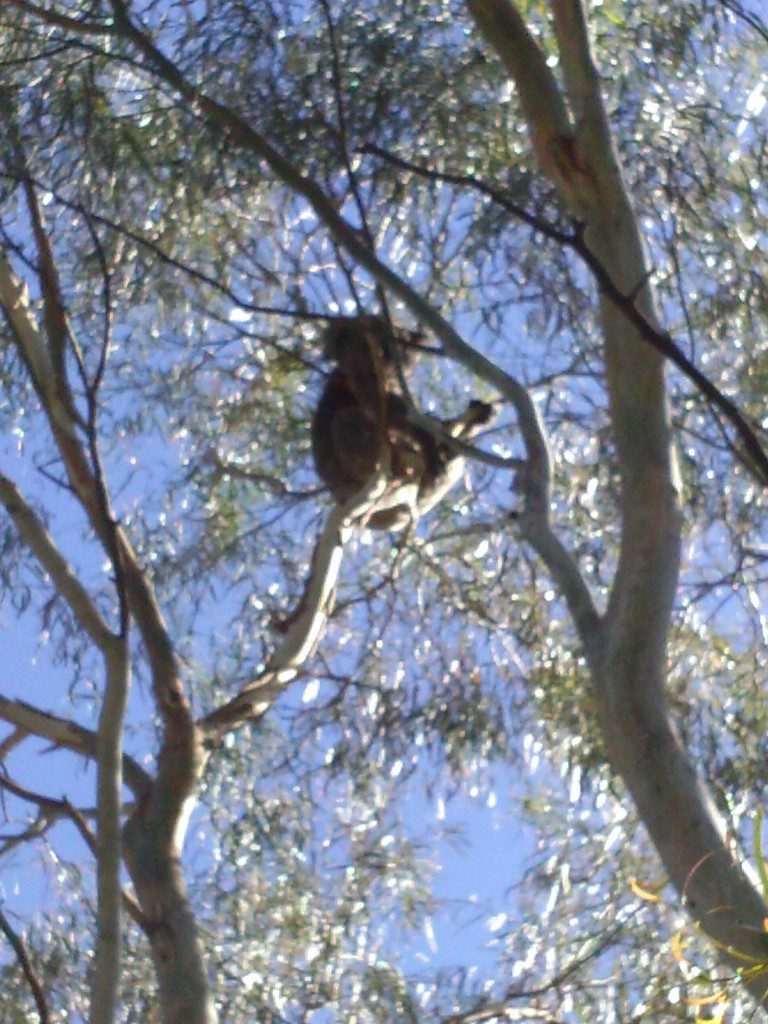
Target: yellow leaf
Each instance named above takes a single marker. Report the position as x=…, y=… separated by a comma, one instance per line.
x=678, y=943
x=644, y=893
x=716, y=997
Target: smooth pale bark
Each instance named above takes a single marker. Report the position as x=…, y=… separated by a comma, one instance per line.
x=109, y=848
x=153, y=841
x=154, y=834
x=300, y=640
x=46, y=366
x=627, y=647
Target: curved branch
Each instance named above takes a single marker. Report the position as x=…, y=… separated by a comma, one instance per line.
x=543, y=108
x=304, y=632
x=262, y=693
x=662, y=341
x=239, y=131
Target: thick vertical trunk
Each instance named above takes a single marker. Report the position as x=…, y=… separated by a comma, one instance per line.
x=153, y=863
x=627, y=648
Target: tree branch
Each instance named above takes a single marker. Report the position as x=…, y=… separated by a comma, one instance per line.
x=262, y=693
x=757, y=462
x=54, y=309
x=155, y=830
x=582, y=81
x=51, y=810
x=502, y=1013
x=62, y=732
x=543, y=108
x=629, y=675
x=169, y=694
x=43, y=547
x=239, y=131
x=105, y=987
x=52, y=17
x=170, y=261
x=304, y=632
x=132, y=908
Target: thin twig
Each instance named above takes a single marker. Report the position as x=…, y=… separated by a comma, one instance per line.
x=166, y=258
x=20, y=949
x=62, y=21
x=757, y=464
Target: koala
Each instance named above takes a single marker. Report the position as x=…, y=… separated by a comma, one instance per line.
x=361, y=422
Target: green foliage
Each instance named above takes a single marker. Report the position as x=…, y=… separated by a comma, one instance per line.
x=450, y=676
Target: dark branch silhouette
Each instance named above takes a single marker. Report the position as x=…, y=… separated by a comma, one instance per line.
x=757, y=462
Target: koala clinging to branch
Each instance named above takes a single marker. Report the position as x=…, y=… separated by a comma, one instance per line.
x=361, y=423
x=361, y=426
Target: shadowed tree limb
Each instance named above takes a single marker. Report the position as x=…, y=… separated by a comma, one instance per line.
x=51, y=810
x=155, y=830
x=43, y=547
x=62, y=21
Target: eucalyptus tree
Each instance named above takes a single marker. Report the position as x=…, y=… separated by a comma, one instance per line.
x=568, y=202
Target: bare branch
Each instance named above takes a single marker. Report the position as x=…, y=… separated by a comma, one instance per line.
x=42, y=545
x=64, y=733
x=50, y=811
x=171, y=261
x=630, y=673
x=11, y=742
x=109, y=853
x=502, y=1013
x=42, y=823
x=754, y=457
x=88, y=485
x=51, y=806
x=749, y=18
x=582, y=81
x=14, y=299
x=543, y=107
x=132, y=908
x=239, y=131
x=563, y=568
x=54, y=309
